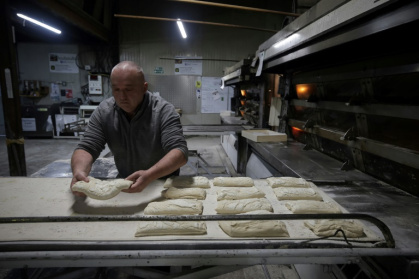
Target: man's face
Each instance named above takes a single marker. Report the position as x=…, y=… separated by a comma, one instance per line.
x=128, y=89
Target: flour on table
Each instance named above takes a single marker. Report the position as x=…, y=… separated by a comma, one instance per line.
x=238, y=193
x=187, y=181
x=286, y=181
x=351, y=228
x=242, y=206
x=305, y=206
x=101, y=189
x=185, y=193
x=233, y=181
x=254, y=228
x=174, y=207
x=155, y=228
x=289, y=193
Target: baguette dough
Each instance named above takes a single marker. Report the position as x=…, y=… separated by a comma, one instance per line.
x=238, y=193
x=286, y=181
x=304, y=206
x=289, y=193
x=174, y=207
x=187, y=181
x=101, y=189
x=153, y=228
x=351, y=228
x=233, y=181
x=242, y=206
x=185, y=193
x=254, y=228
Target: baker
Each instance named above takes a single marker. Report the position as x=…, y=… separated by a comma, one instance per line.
x=143, y=132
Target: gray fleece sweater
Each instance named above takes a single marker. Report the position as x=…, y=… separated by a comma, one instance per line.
x=139, y=143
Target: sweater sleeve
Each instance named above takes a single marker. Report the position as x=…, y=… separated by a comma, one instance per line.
x=93, y=140
x=171, y=131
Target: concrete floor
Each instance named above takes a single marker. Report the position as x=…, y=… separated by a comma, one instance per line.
x=42, y=153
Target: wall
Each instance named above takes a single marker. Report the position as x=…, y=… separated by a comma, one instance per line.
x=155, y=44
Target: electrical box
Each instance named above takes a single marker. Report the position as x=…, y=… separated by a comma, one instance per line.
x=95, y=85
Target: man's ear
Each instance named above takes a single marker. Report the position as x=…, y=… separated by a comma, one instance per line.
x=145, y=86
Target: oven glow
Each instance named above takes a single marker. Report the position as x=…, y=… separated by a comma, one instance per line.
x=304, y=91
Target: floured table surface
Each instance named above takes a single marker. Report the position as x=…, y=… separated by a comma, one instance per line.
x=40, y=197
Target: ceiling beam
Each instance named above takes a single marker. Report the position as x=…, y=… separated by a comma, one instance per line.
x=77, y=17
x=237, y=7
x=195, y=21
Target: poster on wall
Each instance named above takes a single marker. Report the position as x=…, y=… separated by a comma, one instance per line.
x=188, y=66
x=213, y=98
x=63, y=63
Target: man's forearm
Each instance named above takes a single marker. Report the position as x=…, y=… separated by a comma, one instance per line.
x=168, y=164
x=81, y=162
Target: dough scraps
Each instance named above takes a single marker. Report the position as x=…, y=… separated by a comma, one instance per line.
x=238, y=193
x=254, y=228
x=174, y=207
x=154, y=228
x=187, y=181
x=101, y=189
x=305, y=206
x=185, y=193
x=289, y=193
x=286, y=181
x=242, y=206
x=351, y=228
x=233, y=181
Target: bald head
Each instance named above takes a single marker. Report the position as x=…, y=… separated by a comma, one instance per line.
x=128, y=86
x=129, y=66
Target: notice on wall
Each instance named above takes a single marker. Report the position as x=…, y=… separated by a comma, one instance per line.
x=188, y=66
x=213, y=98
x=29, y=124
x=63, y=63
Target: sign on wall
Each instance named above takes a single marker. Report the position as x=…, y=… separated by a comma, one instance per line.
x=188, y=66
x=213, y=98
x=63, y=63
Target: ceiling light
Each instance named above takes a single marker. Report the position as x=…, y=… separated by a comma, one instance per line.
x=40, y=23
x=181, y=29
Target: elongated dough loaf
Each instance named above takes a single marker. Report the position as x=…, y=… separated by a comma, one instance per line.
x=242, y=206
x=304, y=206
x=233, y=181
x=155, y=228
x=174, y=207
x=185, y=193
x=187, y=182
x=351, y=228
x=288, y=193
x=101, y=189
x=254, y=228
x=286, y=181
x=238, y=193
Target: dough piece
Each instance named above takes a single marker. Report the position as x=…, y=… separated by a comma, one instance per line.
x=101, y=189
x=304, y=206
x=242, y=206
x=153, y=228
x=185, y=193
x=289, y=193
x=286, y=181
x=254, y=228
x=174, y=207
x=233, y=181
x=351, y=228
x=187, y=182
x=238, y=193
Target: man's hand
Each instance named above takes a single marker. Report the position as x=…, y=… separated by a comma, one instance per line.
x=141, y=180
x=78, y=177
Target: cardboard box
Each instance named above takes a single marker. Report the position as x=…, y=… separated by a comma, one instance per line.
x=264, y=135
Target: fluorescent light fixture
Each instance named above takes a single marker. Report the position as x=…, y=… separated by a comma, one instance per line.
x=181, y=29
x=39, y=23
